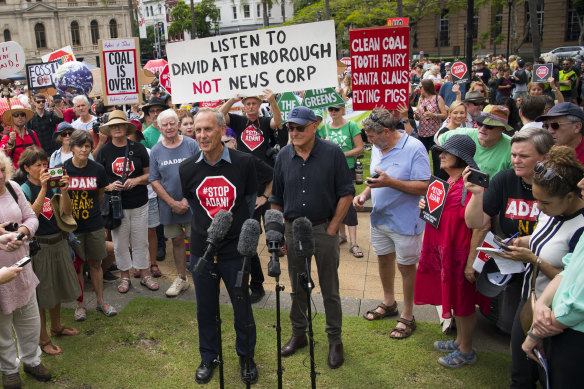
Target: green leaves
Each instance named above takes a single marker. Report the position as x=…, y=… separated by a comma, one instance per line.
x=206, y=14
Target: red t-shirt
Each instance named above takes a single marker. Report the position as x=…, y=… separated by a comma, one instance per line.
x=19, y=145
x=580, y=151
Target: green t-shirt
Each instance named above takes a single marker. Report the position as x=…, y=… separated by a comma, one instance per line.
x=491, y=160
x=151, y=137
x=343, y=137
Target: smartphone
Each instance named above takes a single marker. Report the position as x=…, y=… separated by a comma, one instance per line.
x=479, y=178
x=376, y=175
x=500, y=242
x=22, y=262
x=20, y=236
x=56, y=175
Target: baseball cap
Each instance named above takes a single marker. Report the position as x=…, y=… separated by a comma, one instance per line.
x=562, y=109
x=301, y=115
x=491, y=282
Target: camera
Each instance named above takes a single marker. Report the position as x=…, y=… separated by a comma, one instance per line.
x=117, y=211
x=33, y=247
x=11, y=227
x=272, y=152
x=99, y=121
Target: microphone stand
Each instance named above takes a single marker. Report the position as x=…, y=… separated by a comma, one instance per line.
x=274, y=271
x=242, y=291
x=306, y=282
x=219, y=360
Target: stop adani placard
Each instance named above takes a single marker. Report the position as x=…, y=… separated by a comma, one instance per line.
x=380, y=65
x=120, y=70
x=286, y=59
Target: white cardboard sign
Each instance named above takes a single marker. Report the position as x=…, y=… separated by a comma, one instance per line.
x=11, y=58
x=297, y=57
x=120, y=70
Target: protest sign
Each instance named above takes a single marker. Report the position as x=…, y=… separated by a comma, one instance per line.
x=459, y=72
x=64, y=54
x=11, y=58
x=120, y=71
x=165, y=79
x=41, y=75
x=380, y=64
x=286, y=103
x=541, y=72
x=506, y=266
x=398, y=21
x=322, y=98
x=347, y=62
x=297, y=57
x=435, y=199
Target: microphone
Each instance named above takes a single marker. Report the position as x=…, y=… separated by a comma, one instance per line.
x=247, y=247
x=304, y=245
x=215, y=234
x=274, y=239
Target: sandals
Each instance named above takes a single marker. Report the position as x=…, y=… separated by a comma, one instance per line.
x=388, y=311
x=356, y=251
x=446, y=346
x=458, y=359
x=137, y=273
x=404, y=332
x=342, y=239
x=50, y=349
x=124, y=285
x=149, y=283
x=106, y=309
x=64, y=331
x=80, y=313
x=155, y=271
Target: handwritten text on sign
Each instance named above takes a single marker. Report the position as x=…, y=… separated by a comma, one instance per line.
x=379, y=61
x=12, y=58
x=284, y=59
x=120, y=78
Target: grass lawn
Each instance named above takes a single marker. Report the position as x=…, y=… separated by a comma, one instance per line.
x=366, y=161
x=153, y=343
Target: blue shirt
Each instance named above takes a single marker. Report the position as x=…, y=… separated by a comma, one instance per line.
x=449, y=96
x=407, y=161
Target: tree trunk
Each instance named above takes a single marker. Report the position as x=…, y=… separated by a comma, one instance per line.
x=533, y=25
x=283, y=8
x=265, y=8
x=400, y=8
x=193, y=21
x=327, y=10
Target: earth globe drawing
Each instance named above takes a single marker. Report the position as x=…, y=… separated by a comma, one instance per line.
x=74, y=78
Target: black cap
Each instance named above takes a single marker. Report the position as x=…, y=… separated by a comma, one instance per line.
x=562, y=109
x=491, y=282
x=57, y=97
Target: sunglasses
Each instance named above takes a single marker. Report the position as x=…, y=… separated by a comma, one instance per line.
x=477, y=104
x=547, y=173
x=298, y=128
x=41, y=101
x=488, y=127
x=21, y=114
x=554, y=126
x=333, y=109
x=66, y=133
x=374, y=118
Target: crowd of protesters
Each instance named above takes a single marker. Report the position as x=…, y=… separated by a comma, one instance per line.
x=126, y=185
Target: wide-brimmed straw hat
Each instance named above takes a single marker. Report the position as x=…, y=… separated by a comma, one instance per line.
x=65, y=222
x=461, y=146
x=6, y=116
x=117, y=117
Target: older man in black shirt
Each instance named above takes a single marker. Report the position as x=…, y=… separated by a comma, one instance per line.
x=312, y=179
x=44, y=123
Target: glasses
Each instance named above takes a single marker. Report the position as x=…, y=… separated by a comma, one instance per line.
x=66, y=133
x=488, y=127
x=477, y=104
x=41, y=101
x=374, y=118
x=547, y=173
x=21, y=114
x=298, y=128
x=333, y=109
x=555, y=126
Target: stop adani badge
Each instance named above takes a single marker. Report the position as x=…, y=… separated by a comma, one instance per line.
x=216, y=193
x=435, y=199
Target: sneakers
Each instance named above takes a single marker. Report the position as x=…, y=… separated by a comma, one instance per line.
x=109, y=277
x=11, y=381
x=458, y=359
x=178, y=286
x=39, y=372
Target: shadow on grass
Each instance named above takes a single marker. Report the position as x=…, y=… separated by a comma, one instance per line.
x=153, y=343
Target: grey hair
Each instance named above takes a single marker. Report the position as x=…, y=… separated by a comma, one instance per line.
x=7, y=162
x=386, y=120
x=80, y=97
x=166, y=114
x=80, y=138
x=575, y=119
x=218, y=115
x=540, y=137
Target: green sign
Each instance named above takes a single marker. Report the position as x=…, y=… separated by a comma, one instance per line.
x=286, y=103
x=322, y=98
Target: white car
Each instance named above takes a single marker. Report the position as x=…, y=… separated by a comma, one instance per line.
x=567, y=52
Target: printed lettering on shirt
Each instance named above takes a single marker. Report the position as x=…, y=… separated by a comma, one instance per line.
x=118, y=167
x=216, y=193
x=81, y=202
x=47, y=210
x=519, y=209
x=174, y=161
x=252, y=138
x=83, y=183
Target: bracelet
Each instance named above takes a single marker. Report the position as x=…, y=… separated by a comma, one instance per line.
x=539, y=260
x=263, y=195
x=533, y=336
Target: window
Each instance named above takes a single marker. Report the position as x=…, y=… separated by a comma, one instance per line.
x=269, y=12
x=246, y=12
x=259, y=10
x=475, y=27
x=75, y=38
x=234, y=12
x=498, y=24
x=94, y=29
x=539, y=20
x=444, y=36
x=7, y=36
x=572, y=25
x=113, y=25
x=40, y=36
x=147, y=12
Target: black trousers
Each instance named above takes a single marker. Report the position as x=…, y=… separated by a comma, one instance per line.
x=564, y=353
x=524, y=371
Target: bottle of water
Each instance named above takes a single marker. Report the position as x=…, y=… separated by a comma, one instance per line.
x=358, y=173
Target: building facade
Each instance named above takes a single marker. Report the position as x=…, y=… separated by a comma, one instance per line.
x=44, y=26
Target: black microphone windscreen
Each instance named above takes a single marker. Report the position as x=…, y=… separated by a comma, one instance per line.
x=219, y=226
x=303, y=238
x=248, y=238
x=273, y=221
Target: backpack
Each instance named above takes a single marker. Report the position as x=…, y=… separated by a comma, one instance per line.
x=521, y=74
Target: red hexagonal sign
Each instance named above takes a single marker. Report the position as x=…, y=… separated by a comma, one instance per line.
x=252, y=138
x=542, y=72
x=47, y=210
x=216, y=193
x=118, y=167
x=435, y=195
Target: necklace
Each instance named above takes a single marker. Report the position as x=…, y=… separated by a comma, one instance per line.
x=525, y=185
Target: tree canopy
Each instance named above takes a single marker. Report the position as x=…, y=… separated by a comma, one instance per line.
x=206, y=13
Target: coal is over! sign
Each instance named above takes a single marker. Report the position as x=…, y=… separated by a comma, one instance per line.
x=216, y=193
x=120, y=72
x=435, y=198
x=380, y=64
